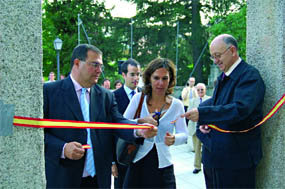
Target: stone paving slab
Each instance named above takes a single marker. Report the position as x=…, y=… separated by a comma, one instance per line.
x=183, y=159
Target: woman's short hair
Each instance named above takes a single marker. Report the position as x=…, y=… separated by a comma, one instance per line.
x=117, y=81
x=152, y=67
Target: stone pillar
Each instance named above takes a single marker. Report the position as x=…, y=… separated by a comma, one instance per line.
x=266, y=51
x=214, y=73
x=22, y=152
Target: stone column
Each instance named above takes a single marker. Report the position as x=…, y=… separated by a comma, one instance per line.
x=21, y=153
x=214, y=74
x=266, y=51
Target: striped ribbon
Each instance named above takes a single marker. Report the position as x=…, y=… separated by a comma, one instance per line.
x=53, y=123
x=86, y=146
x=275, y=108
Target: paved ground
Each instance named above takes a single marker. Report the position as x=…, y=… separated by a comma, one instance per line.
x=183, y=160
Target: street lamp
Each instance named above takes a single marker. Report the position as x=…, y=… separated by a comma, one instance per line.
x=131, y=38
x=57, y=46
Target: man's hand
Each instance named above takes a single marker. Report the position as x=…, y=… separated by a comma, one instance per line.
x=204, y=129
x=73, y=151
x=115, y=171
x=147, y=133
x=169, y=139
x=193, y=115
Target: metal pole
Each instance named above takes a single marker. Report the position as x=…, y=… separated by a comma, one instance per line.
x=198, y=60
x=85, y=34
x=78, y=27
x=58, y=71
x=177, y=42
x=131, y=38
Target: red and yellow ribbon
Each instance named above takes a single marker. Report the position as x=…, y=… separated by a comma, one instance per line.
x=275, y=108
x=86, y=146
x=53, y=123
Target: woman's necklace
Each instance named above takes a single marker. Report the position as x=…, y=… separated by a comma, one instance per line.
x=157, y=115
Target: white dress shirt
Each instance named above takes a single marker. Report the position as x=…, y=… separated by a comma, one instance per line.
x=78, y=88
x=129, y=91
x=173, y=112
x=231, y=69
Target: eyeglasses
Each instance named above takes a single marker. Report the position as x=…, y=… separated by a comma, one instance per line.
x=200, y=89
x=96, y=65
x=218, y=56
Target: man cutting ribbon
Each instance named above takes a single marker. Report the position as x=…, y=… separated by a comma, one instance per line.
x=78, y=97
x=230, y=160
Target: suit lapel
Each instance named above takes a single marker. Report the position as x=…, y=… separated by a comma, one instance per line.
x=217, y=88
x=71, y=99
x=95, y=103
x=125, y=97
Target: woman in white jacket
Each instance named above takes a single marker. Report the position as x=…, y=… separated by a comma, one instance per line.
x=152, y=166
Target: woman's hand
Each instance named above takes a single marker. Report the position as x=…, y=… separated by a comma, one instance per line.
x=169, y=139
x=148, y=119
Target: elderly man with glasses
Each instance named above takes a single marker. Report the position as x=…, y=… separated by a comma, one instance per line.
x=194, y=103
x=230, y=159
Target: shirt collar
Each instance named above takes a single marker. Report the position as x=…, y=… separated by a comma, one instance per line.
x=77, y=86
x=231, y=69
x=128, y=90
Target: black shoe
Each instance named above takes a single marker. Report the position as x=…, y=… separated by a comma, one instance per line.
x=196, y=171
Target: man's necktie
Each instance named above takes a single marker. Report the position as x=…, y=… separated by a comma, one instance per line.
x=223, y=76
x=200, y=100
x=90, y=167
x=190, y=94
x=132, y=94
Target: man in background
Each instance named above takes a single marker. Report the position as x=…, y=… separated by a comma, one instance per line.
x=131, y=73
x=51, y=77
x=106, y=84
x=194, y=103
x=189, y=92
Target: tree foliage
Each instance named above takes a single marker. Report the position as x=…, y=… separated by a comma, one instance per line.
x=155, y=32
x=234, y=24
x=60, y=19
x=154, y=29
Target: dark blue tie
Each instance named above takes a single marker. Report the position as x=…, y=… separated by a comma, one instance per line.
x=132, y=94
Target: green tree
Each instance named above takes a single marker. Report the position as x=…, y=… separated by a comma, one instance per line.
x=155, y=28
x=234, y=24
x=155, y=32
x=60, y=19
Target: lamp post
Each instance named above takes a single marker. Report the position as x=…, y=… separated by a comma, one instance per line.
x=177, y=43
x=131, y=38
x=57, y=46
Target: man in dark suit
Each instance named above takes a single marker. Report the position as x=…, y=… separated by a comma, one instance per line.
x=230, y=159
x=76, y=97
x=131, y=73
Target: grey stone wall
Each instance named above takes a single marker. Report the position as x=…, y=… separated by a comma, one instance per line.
x=266, y=51
x=22, y=153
